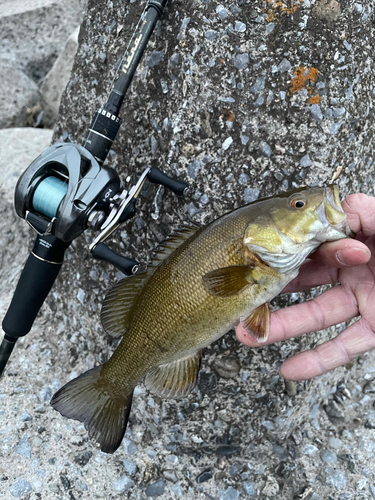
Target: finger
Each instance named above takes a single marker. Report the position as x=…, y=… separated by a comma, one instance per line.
x=352, y=342
x=332, y=307
x=342, y=253
x=360, y=212
x=312, y=273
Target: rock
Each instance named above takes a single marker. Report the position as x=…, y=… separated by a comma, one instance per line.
x=284, y=66
x=129, y=466
x=327, y=10
x=33, y=34
x=194, y=168
x=329, y=457
x=58, y=77
x=156, y=489
x=124, y=483
x=19, y=147
x=241, y=61
x=23, y=447
x=226, y=367
x=207, y=382
x=335, y=478
x=309, y=449
x=250, y=194
x=18, y=93
x=170, y=475
x=249, y=488
x=20, y=488
x=204, y=476
x=271, y=488
x=229, y=494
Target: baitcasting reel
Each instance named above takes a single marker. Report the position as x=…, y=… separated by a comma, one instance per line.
x=65, y=191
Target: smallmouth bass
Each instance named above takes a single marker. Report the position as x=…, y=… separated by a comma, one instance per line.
x=201, y=283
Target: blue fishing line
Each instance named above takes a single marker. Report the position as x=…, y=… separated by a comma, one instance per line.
x=48, y=196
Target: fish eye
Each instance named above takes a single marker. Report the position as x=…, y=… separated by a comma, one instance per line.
x=298, y=203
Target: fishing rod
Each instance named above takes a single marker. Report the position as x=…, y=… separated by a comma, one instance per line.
x=69, y=189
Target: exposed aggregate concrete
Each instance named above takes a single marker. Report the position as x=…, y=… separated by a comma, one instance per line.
x=243, y=100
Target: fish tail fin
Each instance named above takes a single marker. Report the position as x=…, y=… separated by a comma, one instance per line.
x=96, y=402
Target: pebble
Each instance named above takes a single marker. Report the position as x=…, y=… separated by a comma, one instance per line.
x=26, y=417
x=371, y=488
x=204, y=476
x=284, y=66
x=250, y=194
x=334, y=443
x=329, y=457
x=23, y=447
x=172, y=459
x=309, y=449
x=258, y=85
x=234, y=469
x=249, y=488
x=229, y=494
x=156, y=489
x=176, y=489
x=335, y=478
x=316, y=112
x=227, y=143
x=240, y=27
x=207, y=382
x=45, y=394
x=194, y=168
x=20, y=488
x=155, y=58
x=271, y=488
x=305, y=161
x=226, y=367
x=265, y=149
x=222, y=12
x=122, y=484
x=211, y=35
x=241, y=61
x=129, y=466
x=243, y=179
x=170, y=475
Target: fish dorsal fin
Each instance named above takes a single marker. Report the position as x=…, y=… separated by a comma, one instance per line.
x=228, y=281
x=174, y=240
x=258, y=323
x=118, y=303
x=176, y=379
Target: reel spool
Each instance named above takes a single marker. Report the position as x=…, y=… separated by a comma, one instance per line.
x=48, y=195
x=60, y=189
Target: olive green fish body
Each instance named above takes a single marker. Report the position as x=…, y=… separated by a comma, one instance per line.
x=204, y=281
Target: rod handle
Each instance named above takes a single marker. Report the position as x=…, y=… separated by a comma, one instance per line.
x=38, y=275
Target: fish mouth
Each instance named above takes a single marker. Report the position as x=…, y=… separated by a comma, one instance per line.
x=333, y=217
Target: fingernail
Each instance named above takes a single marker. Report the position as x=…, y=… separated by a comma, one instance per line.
x=352, y=256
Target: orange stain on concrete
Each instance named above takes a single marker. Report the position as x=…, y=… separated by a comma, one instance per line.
x=302, y=78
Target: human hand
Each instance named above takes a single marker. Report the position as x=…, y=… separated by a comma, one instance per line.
x=351, y=264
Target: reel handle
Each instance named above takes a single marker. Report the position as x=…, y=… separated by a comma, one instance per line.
x=156, y=176
x=38, y=275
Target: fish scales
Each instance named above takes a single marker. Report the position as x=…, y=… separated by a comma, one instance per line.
x=205, y=281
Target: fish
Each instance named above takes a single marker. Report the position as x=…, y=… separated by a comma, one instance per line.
x=202, y=282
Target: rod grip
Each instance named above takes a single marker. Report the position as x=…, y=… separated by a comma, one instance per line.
x=35, y=282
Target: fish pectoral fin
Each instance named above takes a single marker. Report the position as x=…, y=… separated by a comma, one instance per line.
x=228, y=281
x=119, y=302
x=96, y=401
x=176, y=379
x=258, y=323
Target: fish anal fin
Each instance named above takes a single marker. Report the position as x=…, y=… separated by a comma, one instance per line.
x=93, y=400
x=228, y=281
x=176, y=379
x=258, y=323
x=174, y=240
x=118, y=303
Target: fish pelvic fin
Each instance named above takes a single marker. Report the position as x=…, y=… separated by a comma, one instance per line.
x=96, y=402
x=117, y=306
x=176, y=379
x=257, y=323
x=228, y=281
